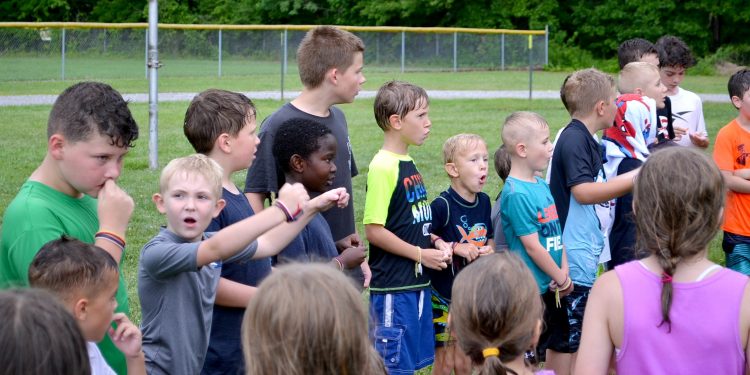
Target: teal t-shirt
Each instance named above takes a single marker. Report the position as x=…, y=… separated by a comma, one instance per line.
x=528, y=207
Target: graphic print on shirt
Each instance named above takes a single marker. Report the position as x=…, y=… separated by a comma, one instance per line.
x=474, y=234
x=416, y=196
x=742, y=159
x=550, y=228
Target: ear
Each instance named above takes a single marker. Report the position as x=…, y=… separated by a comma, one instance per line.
x=600, y=107
x=521, y=149
x=159, y=202
x=223, y=143
x=737, y=101
x=56, y=145
x=80, y=309
x=219, y=206
x=297, y=163
x=333, y=75
x=638, y=91
x=451, y=169
x=395, y=121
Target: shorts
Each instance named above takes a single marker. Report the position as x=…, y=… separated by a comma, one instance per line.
x=403, y=332
x=440, y=306
x=556, y=329
x=737, y=250
x=576, y=302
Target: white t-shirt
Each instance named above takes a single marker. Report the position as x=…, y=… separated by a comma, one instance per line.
x=98, y=365
x=687, y=112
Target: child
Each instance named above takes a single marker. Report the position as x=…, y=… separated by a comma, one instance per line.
x=637, y=49
x=39, y=336
x=674, y=312
x=730, y=153
x=627, y=147
x=330, y=67
x=85, y=278
x=687, y=108
x=179, y=268
x=327, y=336
x=73, y=191
x=502, y=167
x=305, y=150
x=496, y=314
x=577, y=183
x=461, y=215
x=530, y=221
x=397, y=222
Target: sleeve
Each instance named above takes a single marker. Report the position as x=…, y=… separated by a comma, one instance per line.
x=381, y=182
x=576, y=162
x=701, y=126
x=25, y=246
x=521, y=215
x=723, y=150
x=161, y=258
x=487, y=209
x=245, y=254
x=261, y=176
x=439, y=208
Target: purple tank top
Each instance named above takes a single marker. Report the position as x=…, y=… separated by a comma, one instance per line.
x=705, y=324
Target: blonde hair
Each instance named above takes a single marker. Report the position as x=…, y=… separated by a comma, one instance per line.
x=678, y=196
x=584, y=88
x=397, y=98
x=308, y=319
x=196, y=164
x=458, y=144
x=634, y=76
x=324, y=48
x=495, y=304
x=518, y=126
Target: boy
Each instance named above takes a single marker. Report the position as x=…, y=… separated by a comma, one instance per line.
x=626, y=143
x=73, y=191
x=305, y=151
x=687, y=108
x=398, y=221
x=577, y=183
x=461, y=216
x=502, y=167
x=330, y=67
x=530, y=221
x=180, y=267
x=731, y=156
x=85, y=278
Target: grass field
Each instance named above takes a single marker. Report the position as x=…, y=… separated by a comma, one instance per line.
x=23, y=134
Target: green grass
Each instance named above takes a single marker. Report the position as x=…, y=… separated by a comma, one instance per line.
x=23, y=134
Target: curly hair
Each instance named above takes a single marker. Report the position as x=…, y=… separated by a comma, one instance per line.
x=297, y=136
x=674, y=52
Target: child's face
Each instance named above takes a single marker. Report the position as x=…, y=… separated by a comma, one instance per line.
x=86, y=165
x=246, y=144
x=471, y=165
x=539, y=148
x=350, y=81
x=609, y=111
x=97, y=316
x=415, y=125
x=189, y=203
x=320, y=167
x=743, y=104
x=672, y=77
x=654, y=89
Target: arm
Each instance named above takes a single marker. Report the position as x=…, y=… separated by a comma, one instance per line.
x=257, y=200
x=127, y=338
x=736, y=183
x=233, y=294
x=597, y=192
x=114, y=207
x=386, y=240
x=597, y=346
x=541, y=257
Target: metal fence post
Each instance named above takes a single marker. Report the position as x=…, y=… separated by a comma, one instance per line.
x=145, y=57
x=153, y=85
x=437, y=45
x=62, y=56
x=286, y=50
x=403, y=50
x=219, y=52
x=283, y=63
x=546, y=44
x=502, y=51
x=531, y=70
x=455, y=51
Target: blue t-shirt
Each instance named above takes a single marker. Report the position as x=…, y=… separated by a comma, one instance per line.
x=527, y=208
x=455, y=219
x=578, y=159
x=224, y=354
x=313, y=244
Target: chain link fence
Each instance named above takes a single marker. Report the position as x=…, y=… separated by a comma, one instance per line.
x=53, y=51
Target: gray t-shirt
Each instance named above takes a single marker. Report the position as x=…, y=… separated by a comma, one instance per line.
x=262, y=176
x=177, y=300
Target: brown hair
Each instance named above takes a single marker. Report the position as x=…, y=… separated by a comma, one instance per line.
x=324, y=48
x=584, y=88
x=214, y=112
x=39, y=336
x=460, y=143
x=70, y=268
x=308, y=319
x=633, y=76
x=397, y=98
x=502, y=162
x=495, y=304
x=633, y=49
x=677, y=212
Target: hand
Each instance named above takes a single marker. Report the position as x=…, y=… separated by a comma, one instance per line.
x=679, y=131
x=553, y=285
x=114, y=207
x=486, y=250
x=445, y=247
x=699, y=139
x=435, y=259
x=742, y=173
x=353, y=257
x=466, y=250
x=126, y=337
x=323, y=202
x=294, y=197
x=367, y=273
x=351, y=240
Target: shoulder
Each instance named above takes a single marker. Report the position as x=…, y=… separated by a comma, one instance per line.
x=383, y=161
x=689, y=95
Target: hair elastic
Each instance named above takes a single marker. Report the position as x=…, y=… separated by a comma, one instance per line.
x=665, y=278
x=491, y=352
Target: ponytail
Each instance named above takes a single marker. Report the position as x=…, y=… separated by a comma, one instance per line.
x=493, y=363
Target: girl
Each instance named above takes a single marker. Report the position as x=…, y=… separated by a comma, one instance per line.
x=308, y=319
x=496, y=314
x=675, y=311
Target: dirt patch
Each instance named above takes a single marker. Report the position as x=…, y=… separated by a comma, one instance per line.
x=728, y=68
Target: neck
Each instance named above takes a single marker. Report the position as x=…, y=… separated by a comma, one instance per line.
x=744, y=122
x=462, y=191
x=520, y=171
x=519, y=366
x=673, y=91
x=49, y=174
x=591, y=123
x=316, y=102
x=392, y=142
x=227, y=171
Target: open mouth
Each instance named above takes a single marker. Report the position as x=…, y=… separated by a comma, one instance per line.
x=482, y=179
x=189, y=220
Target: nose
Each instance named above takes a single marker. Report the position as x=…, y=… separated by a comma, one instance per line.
x=429, y=123
x=113, y=170
x=333, y=167
x=363, y=80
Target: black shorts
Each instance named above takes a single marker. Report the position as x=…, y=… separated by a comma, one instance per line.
x=555, y=330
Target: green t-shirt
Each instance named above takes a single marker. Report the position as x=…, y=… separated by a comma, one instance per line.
x=37, y=215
